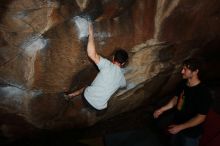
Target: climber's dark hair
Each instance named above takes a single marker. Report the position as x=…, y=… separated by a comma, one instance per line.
x=120, y=56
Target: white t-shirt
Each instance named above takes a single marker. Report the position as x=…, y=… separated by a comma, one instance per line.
x=109, y=79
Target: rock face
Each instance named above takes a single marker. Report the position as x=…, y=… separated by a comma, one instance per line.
x=43, y=53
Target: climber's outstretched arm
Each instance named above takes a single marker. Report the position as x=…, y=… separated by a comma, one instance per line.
x=91, y=50
x=77, y=92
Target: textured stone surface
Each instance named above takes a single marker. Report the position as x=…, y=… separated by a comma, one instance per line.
x=43, y=53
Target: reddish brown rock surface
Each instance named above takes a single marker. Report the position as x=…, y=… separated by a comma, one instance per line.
x=43, y=53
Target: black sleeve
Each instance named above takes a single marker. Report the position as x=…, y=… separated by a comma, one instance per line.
x=204, y=102
x=179, y=88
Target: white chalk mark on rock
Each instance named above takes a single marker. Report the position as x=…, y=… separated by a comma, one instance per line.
x=82, y=25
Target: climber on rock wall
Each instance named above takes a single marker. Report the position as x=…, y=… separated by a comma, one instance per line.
x=109, y=79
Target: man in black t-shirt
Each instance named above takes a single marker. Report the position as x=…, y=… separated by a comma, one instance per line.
x=191, y=104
